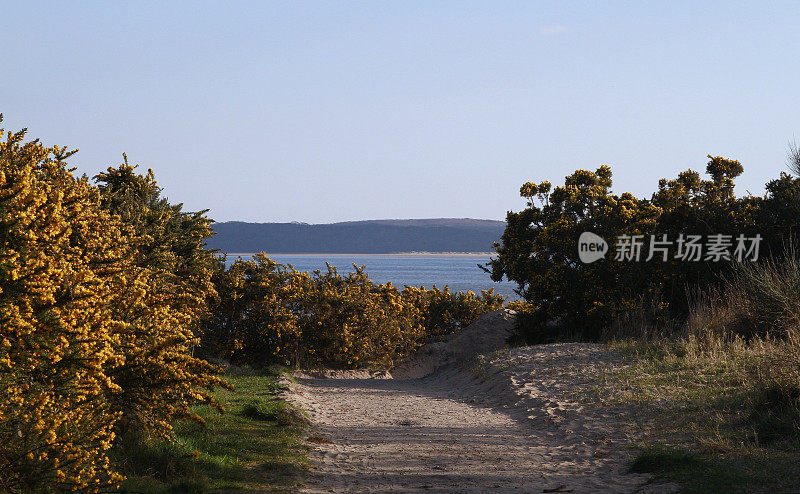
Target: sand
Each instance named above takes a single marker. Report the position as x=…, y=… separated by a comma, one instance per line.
x=485, y=335
x=513, y=420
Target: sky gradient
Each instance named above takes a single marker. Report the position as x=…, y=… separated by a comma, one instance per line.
x=332, y=111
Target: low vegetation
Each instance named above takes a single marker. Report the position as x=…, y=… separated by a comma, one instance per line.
x=270, y=313
x=718, y=425
x=723, y=388
x=255, y=446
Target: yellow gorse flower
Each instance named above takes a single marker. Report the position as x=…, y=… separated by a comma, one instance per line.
x=95, y=335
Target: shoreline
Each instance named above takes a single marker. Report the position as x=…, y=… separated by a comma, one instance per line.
x=394, y=254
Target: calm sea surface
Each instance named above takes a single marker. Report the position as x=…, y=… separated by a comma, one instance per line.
x=460, y=273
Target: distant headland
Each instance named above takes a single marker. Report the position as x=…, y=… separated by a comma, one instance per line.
x=413, y=237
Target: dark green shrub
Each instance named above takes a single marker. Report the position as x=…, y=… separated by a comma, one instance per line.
x=539, y=248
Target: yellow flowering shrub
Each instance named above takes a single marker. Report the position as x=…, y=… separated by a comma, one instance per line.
x=161, y=304
x=349, y=321
x=59, y=256
x=254, y=319
x=444, y=312
x=270, y=313
x=101, y=291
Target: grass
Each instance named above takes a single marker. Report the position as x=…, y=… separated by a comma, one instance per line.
x=723, y=393
x=738, y=469
x=256, y=446
x=694, y=472
x=717, y=427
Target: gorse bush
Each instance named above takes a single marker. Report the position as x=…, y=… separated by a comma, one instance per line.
x=539, y=248
x=60, y=259
x=99, y=297
x=348, y=321
x=271, y=313
x=444, y=312
x=253, y=318
x=161, y=306
x=105, y=290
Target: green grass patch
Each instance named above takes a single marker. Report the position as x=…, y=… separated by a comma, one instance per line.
x=742, y=468
x=695, y=473
x=255, y=446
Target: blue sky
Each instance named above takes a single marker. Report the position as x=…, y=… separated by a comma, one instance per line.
x=329, y=111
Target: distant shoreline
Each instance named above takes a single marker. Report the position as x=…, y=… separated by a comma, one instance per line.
x=394, y=254
x=461, y=237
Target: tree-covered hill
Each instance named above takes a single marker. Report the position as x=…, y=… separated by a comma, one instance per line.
x=359, y=237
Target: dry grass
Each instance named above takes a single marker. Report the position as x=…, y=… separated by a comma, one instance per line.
x=723, y=385
x=722, y=417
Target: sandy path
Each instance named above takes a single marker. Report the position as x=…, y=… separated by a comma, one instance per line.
x=451, y=432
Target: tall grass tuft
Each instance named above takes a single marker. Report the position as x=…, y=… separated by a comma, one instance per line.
x=754, y=322
x=766, y=296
